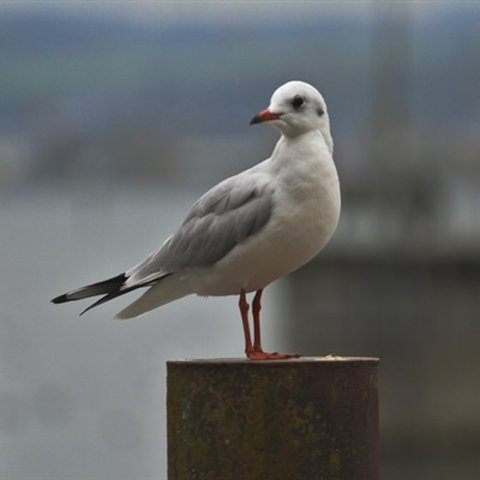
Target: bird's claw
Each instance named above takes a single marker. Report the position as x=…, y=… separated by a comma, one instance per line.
x=261, y=355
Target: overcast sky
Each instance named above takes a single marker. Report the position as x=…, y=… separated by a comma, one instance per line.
x=226, y=11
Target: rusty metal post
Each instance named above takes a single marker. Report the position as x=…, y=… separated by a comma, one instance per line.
x=300, y=419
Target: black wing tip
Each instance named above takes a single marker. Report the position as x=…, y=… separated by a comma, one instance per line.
x=99, y=288
x=106, y=298
x=60, y=299
x=115, y=283
x=86, y=310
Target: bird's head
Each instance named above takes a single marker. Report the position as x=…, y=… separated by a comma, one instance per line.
x=295, y=108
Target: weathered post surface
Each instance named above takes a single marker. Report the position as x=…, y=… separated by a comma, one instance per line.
x=300, y=419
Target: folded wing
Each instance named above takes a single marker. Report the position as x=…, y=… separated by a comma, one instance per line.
x=221, y=219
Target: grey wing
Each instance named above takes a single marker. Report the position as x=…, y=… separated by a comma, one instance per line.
x=224, y=217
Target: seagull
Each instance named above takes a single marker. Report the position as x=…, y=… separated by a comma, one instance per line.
x=251, y=228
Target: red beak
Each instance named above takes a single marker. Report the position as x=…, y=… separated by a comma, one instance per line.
x=264, y=116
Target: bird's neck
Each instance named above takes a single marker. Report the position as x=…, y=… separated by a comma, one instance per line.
x=303, y=164
x=309, y=145
x=304, y=170
x=322, y=130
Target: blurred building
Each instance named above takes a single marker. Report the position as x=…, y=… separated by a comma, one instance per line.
x=94, y=107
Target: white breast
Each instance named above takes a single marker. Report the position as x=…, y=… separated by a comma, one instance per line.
x=305, y=215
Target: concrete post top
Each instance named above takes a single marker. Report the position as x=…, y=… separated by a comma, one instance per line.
x=307, y=418
x=326, y=360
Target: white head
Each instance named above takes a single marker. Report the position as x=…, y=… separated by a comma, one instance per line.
x=296, y=108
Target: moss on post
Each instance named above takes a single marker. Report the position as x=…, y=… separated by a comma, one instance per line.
x=299, y=419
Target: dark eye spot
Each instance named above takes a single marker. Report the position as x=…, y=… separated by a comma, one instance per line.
x=320, y=111
x=297, y=101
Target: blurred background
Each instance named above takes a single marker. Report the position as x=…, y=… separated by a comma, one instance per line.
x=116, y=116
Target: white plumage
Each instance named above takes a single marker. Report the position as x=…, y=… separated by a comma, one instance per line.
x=251, y=228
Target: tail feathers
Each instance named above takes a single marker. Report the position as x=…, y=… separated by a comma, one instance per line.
x=158, y=294
x=122, y=290
x=113, y=287
x=106, y=298
x=106, y=286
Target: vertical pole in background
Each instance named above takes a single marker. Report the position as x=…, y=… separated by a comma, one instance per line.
x=299, y=419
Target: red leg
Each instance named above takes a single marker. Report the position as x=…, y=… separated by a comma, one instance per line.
x=257, y=353
x=256, y=307
x=243, y=304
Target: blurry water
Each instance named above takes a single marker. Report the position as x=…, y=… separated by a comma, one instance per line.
x=84, y=397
